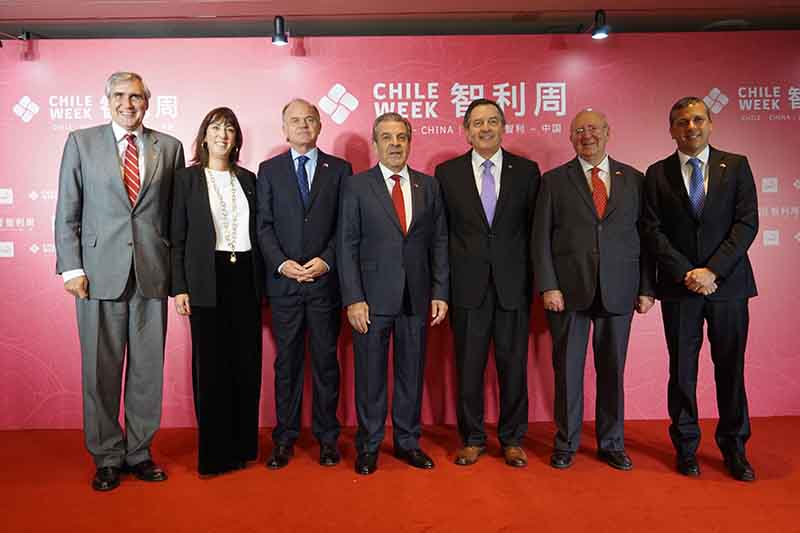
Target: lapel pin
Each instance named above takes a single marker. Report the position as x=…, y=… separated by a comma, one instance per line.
x=618, y=173
x=325, y=165
x=723, y=165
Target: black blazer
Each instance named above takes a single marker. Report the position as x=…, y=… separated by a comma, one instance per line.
x=573, y=248
x=718, y=240
x=376, y=260
x=194, y=238
x=287, y=231
x=477, y=249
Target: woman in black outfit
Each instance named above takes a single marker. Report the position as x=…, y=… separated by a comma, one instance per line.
x=217, y=277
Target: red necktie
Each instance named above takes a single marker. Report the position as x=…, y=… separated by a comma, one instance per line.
x=599, y=194
x=130, y=168
x=399, y=204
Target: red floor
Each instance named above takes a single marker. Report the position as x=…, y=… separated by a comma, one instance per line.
x=44, y=486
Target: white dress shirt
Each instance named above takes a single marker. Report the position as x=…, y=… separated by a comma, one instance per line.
x=405, y=186
x=686, y=167
x=477, y=169
x=604, y=174
x=222, y=178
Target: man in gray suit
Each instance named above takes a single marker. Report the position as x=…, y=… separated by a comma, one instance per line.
x=590, y=269
x=111, y=227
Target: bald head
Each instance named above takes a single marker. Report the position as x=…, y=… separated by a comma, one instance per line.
x=589, y=132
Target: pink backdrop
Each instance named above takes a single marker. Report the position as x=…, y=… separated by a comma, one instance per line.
x=752, y=81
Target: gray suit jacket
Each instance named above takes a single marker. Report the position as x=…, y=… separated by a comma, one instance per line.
x=573, y=249
x=97, y=229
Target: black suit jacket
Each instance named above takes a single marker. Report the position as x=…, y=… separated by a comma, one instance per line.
x=194, y=238
x=286, y=230
x=376, y=261
x=718, y=240
x=573, y=248
x=476, y=249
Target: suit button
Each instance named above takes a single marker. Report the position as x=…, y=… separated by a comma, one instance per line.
x=305, y=219
x=599, y=227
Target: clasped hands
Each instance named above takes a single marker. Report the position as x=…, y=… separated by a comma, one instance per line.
x=313, y=269
x=358, y=314
x=701, y=280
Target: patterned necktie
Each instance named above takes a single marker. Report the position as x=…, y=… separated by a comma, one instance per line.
x=488, y=194
x=130, y=169
x=302, y=180
x=599, y=194
x=399, y=203
x=697, y=193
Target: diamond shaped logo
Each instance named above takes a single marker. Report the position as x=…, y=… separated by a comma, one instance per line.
x=33, y=195
x=338, y=103
x=797, y=236
x=716, y=100
x=769, y=184
x=26, y=109
x=797, y=183
x=34, y=248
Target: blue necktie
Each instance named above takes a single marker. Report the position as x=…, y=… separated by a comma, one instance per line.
x=697, y=193
x=302, y=180
x=488, y=194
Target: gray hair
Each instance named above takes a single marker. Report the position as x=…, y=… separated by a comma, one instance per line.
x=299, y=101
x=119, y=77
x=390, y=117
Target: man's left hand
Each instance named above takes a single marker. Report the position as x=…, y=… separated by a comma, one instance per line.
x=700, y=280
x=314, y=269
x=644, y=303
x=438, y=311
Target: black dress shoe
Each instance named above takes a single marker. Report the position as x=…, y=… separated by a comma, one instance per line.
x=561, y=459
x=416, y=458
x=147, y=470
x=739, y=467
x=106, y=478
x=366, y=463
x=329, y=455
x=280, y=456
x=616, y=459
x=688, y=466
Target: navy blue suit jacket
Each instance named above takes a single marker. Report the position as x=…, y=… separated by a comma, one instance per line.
x=286, y=230
x=718, y=239
x=376, y=260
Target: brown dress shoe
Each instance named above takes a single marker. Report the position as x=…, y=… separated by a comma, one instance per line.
x=468, y=455
x=515, y=456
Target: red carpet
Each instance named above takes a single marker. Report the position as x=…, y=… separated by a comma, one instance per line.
x=45, y=488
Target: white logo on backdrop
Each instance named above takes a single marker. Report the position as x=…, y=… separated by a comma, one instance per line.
x=6, y=196
x=797, y=183
x=338, y=103
x=34, y=249
x=772, y=237
x=716, y=100
x=797, y=236
x=26, y=109
x=6, y=249
x=769, y=184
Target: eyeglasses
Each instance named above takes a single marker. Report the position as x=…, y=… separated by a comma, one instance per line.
x=590, y=129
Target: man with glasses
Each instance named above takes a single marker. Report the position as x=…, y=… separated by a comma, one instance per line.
x=701, y=218
x=591, y=273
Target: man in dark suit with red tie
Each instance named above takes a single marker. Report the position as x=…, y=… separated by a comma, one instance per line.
x=298, y=205
x=591, y=272
x=700, y=219
x=490, y=194
x=393, y=269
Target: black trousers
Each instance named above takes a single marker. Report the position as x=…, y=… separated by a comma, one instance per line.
x=610, y=334
x=226, y=368
x=728, y=323
x=292, y=317
x=473, y=329
x=371, y=351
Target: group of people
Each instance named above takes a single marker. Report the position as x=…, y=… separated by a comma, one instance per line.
x=399, y=251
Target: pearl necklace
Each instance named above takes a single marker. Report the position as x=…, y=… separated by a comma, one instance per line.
x=229, y=224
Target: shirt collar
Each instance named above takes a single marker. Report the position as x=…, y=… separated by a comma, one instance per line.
x=603, y=166
x=478, y=159
x=387, y=173
x=311, y=154
x=120, y=132
x=702, y=156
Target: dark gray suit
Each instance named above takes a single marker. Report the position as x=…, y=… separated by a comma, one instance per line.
x=124, y=251
x=598, y=265
x=397, y=275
